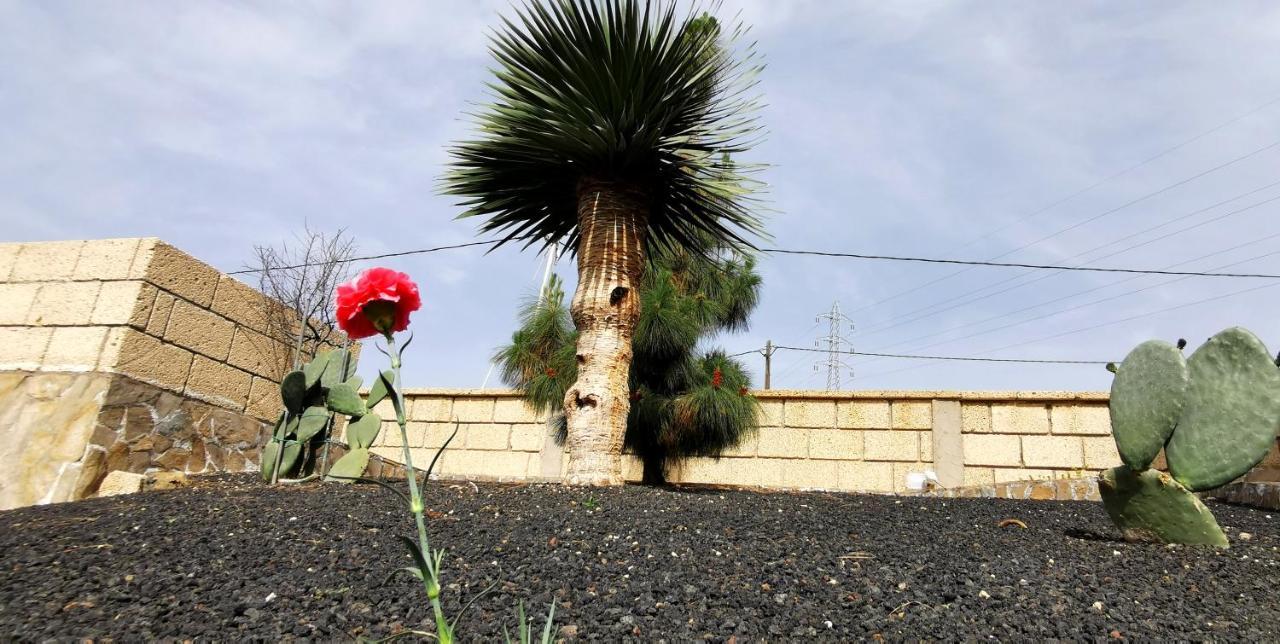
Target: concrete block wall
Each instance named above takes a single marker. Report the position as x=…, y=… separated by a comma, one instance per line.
x=127, y=354
x=856, y=441
x=139, y=308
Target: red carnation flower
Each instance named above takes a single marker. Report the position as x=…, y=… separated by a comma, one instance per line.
x=379, y=300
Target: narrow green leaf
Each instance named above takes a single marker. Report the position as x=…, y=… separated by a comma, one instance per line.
x=382, y=387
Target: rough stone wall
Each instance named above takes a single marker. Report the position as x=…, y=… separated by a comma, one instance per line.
x=127, y=354
x=857, y=441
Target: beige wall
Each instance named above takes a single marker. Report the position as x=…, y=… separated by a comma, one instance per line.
x=140, y=308
x=126, y=354
x=867, y=441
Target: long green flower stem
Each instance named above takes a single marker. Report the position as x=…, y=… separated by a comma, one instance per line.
x=430, y=576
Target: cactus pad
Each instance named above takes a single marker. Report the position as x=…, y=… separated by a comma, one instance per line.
x=361, y=433
x=312, y=421
x=337, y=366
x=345, y=400
x=1231, y=414
x=1146, y=400
x=292, y=450
x=293, y=391
x=350, y=466
x=1151, y=506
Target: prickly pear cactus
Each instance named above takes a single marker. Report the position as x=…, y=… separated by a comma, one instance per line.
x=1232, y=412
x=1146, y=401
x=1216, y=416
x=311, y=396
x=1151, y=506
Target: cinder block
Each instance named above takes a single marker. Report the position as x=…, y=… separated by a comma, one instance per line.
x=838, y=444
x=992, y=449
x=160, y=311
x=106, y=259
x=912, y=414
x=1013, y=418
x=975, y=418
x=46, y=261
x=809, y=413
x=632, y=469
x=74, y=348
x=861, y=476
x=393, y=454
x=482, y=464
x=473, y=410
x=218, y=383
x=431, y=409
x=437, y=433
x=240, y=303
x=514, y=410
x=1052, y=451
x=766, y=472
x=8, y=255
x=771, y=413
x=863, y=414
x=22, y=348
x=64, y=304
x=897, y=445
x=1081, y=419
x=746, y=448
x=1100, y=453
x=181, y=274
x=709, y=470
x=264, y=400
x=258, y=354
x=488, y=436
x=974, y=476
x=142, y=357
x=16, y=301
x=811, y=475
x=529, y=437
x=783, y=442
x=194, y=328
x=124, y=303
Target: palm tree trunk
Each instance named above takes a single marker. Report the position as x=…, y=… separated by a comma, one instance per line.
x=606, y=307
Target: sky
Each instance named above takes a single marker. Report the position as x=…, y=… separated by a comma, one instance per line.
x=1109, y=134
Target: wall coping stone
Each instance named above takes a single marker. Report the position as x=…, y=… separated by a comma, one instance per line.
x=868, y=394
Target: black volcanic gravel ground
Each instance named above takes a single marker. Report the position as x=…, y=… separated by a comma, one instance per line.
x=624, y=564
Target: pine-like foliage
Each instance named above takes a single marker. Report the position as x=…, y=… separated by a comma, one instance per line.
x=684, y=401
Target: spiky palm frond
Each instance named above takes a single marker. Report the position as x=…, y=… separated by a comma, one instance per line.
x=623, y=90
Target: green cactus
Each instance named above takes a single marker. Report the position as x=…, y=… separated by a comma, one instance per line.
x=1232, y=412
x=350, y=467
x=1146, y=401
x=1151, y=506
x=311, y=395
x=1216, y=416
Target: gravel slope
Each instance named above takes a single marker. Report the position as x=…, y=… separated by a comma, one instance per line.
x=625, y=564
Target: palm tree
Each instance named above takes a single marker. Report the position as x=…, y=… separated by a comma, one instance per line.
x=609, y=130
x=684, y=402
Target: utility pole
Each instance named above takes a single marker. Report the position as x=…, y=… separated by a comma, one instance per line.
x=768, y=363
x=834, y=343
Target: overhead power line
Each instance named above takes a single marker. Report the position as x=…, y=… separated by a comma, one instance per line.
x=1073, y=195
x=401, y=254
x=1093, y=269
x=960, y=358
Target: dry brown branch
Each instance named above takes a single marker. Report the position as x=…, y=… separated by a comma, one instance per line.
x=301, y=275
